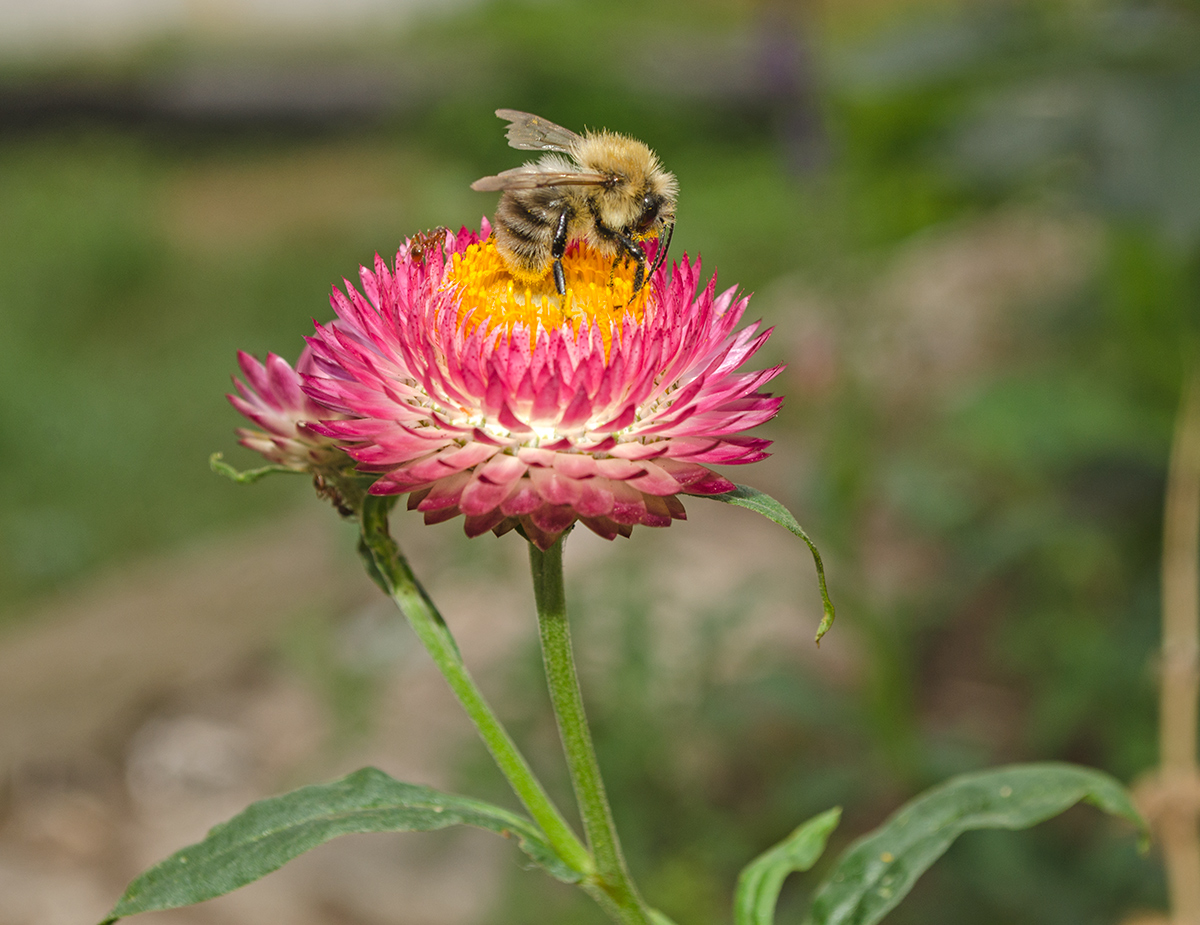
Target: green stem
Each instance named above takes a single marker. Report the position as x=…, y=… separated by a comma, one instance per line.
x=390, y=570
x=612, y=876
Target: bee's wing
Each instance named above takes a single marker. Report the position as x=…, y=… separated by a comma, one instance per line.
x=533, y=133
x=531, y=176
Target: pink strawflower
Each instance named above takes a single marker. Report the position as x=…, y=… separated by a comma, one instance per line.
x=273, y=399
x=512, y=405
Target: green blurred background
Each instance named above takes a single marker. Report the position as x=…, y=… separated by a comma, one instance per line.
x=975, y=225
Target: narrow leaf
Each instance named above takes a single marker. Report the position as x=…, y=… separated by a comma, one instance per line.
x=754, y=500
x=878, y=870
x=762, y=879
x=218, y=465
x=269, y=833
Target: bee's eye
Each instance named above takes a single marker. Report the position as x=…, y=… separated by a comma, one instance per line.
x=650, y=207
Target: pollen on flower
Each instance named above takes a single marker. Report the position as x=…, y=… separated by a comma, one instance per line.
x=597, y=292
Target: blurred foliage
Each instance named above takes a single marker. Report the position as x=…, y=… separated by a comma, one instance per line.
x=818, y=150
x=1031, y=486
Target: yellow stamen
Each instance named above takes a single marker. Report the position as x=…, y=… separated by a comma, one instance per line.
x=595, y=292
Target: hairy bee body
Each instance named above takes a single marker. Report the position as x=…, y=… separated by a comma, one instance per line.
x=606, y=189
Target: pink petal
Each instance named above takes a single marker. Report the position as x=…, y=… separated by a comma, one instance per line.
x=552, y=519
x=445, y=493
x=479, y=524
x=522, y=499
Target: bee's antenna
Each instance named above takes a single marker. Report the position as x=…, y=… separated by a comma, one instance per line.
x=662, y=250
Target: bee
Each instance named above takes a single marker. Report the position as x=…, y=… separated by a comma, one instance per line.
x=606, y=189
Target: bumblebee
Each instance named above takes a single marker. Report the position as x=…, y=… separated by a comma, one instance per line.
x=606, y=189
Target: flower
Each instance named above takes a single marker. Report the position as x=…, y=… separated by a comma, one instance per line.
x=275, y=402
x=511, y=405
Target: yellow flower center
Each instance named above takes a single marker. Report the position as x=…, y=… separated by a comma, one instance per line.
x=597, y=292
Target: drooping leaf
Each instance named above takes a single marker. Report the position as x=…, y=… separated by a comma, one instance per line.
x=754, y=500
x=269, y=833
x=762, y=879
x=246, y=476
x=878, y=870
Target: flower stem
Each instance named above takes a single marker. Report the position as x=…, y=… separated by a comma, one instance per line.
x=612, y=876
x=390, y=570
x=1180, y=771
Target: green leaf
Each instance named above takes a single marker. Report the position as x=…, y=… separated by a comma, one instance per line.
x=759, y=884
x=269, y=833
x=248, y=476
x=754, y=500
x=878, y=870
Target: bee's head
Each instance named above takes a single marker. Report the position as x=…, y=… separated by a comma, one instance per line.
x=639, y=196
x=657, y=203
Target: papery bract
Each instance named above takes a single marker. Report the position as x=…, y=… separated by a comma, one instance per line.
x=512, y=405
x=272, y=397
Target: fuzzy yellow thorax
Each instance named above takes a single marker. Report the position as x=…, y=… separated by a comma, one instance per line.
x=489, y=294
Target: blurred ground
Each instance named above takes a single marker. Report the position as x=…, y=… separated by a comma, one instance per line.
x=134, y=720
x=177, y=720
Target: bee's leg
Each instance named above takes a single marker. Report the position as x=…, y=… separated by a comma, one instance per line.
x=663, y=247
x=559, y=247
x=631, y=248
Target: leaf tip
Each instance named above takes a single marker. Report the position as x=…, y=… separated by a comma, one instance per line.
x=761, y=503
x=825, y=625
